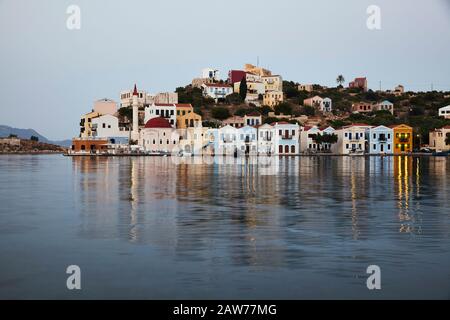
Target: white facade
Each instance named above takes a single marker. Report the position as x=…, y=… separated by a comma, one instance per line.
x=351, y=140
x=327, y=105
x=315, y=102
x=266, y=144
x=445, y=112
x=216, y=91
x=210, y=73
x=286, y=138
x=385, y=105
x=159, y=140
x=107, y=126
x=194, y=140
x=165, y=110
x=308, y=144
x=252, y=120
x=226, y=142
x=379, y=140
x=247, y=140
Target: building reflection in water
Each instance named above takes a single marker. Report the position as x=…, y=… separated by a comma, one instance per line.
x=253, y=213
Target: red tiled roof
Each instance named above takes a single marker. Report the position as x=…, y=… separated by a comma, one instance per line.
x=253, y=114
x=158, y=123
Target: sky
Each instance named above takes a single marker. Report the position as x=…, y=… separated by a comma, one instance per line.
x=50, y=75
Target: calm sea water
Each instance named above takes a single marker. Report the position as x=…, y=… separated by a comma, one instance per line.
x=299, y=228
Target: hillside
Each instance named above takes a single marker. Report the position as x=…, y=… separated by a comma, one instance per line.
x=14, y=145
x=6, y=131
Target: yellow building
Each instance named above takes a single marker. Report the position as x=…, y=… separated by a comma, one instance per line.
x=186, y=117
x=438, y=139
x=273, y=83
x=273, y=98
x=403, y=138
x=86, y=124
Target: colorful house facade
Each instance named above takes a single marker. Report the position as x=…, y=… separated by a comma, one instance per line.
x=403, y=138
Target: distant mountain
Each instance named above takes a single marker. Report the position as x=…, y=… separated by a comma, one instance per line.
x=5, y=131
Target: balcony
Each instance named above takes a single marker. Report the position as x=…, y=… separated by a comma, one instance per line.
x=287, y=137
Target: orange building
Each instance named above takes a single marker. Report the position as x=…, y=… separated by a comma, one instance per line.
x=89, y=145
x=403, y=138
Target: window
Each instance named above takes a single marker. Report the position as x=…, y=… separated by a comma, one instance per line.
x=292, y=149
x=280, y=132
x=346, y=146
x=280, y=149
x=286, y=149
x=157, y=112
x=104, y=125
x=374, y=136
x=374, y=147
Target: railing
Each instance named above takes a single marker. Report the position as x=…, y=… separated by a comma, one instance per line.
x=287, y=137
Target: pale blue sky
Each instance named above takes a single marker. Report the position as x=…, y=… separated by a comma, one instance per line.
x=49, y=75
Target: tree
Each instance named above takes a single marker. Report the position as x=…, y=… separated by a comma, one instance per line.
x=243, y=89
x=34, y=138
x=234, y=98
x=340, y=79
x=220, y=113
x=284, y=108
x=325, y=138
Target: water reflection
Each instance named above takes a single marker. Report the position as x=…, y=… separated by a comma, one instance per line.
x=256, y=214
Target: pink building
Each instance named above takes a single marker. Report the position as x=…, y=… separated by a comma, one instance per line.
x=359, y=83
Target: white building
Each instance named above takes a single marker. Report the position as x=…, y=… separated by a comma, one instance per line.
x=379, y=139
x=164, y=110
x=158, y=136
x=252, y=119
x=247, y=140
x=226, y=141
x=309, y=144
x=384, y=105
x=327, y=105
x=210, y=73
x=126, y=98
x=445, y=112
x=194, y=140
x=315, y=102
x=107, y=126
x=286, y=138
x=266, y=144
x=351, y=139
x=216, y=91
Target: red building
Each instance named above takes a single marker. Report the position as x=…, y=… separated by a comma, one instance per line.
x=235, y=76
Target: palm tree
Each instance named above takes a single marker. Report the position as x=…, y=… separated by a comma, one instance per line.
x=340, y=79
